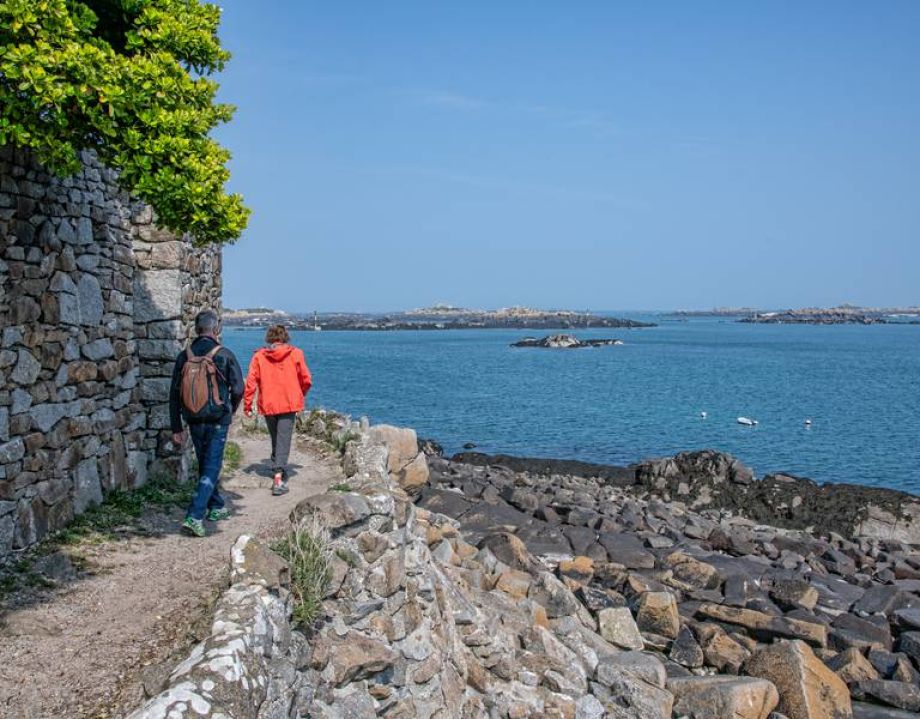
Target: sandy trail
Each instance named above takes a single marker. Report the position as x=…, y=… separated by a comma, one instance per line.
x=89, y=648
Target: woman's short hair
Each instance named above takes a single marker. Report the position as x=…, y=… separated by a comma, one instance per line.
x=277, y=333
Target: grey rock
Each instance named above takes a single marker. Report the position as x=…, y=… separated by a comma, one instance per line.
x=98, y=349
x=89, y=300
x=87, y=487
x=27, y=368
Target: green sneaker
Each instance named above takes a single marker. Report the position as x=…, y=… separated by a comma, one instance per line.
x=215, y=515
x=193, y=526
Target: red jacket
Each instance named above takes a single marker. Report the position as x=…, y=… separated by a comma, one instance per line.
x=281, y=376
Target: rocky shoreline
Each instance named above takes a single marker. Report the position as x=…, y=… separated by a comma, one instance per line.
x=718, y=569
x=477, y=586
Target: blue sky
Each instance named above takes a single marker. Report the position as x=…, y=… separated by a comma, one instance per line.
x=611, y=155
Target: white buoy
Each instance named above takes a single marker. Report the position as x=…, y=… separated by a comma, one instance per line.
x=808, y=423
x=703, y=415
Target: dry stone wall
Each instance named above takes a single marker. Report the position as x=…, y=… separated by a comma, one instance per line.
x=95, y=302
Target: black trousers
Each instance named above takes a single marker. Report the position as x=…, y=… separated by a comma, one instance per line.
x=281, y=430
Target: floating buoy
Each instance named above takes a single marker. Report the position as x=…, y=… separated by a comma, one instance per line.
x=703, y=415
x=808, y=423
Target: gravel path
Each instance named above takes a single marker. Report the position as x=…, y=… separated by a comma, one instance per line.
x=87, y=649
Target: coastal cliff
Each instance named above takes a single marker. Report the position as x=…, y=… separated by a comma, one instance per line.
x=462, y=589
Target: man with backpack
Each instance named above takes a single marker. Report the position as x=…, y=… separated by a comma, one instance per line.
x=207, y=387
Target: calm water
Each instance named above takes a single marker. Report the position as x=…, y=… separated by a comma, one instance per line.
x=859, y=385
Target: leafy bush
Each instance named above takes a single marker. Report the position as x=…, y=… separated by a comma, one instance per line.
x=306, y=549
x=129, y=79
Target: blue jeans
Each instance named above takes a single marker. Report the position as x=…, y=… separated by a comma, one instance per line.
x=209, y=440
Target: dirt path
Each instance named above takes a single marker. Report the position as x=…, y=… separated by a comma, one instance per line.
x=92, y=645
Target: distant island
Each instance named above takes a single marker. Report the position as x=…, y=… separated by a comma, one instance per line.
x=844, y=314
x=438, y=317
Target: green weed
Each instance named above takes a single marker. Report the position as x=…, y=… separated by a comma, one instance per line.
x=306, y=549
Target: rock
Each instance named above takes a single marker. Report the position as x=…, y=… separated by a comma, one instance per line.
x=27, y=368
x=413, y=476
x=794, y=594
x=643, y=665
x=596, y=599
x=766, y=627
x=627, y=550
x=909, y=643
x=656, y=612
x=723, y=697
x=564, y=342
x=87, y=487
x=631, y=698
x=885, y=600
x=514, y=583
x=618, y=627
x=336, y=509
x=157, y=295
x=874, y=711
x=358, y=657
x=579, y=569
x=686, y=651
x=807, y=688
x=253, y=561
x=510, y=550
x=553, y=595
x=849, y=630
x=900, y=695
x=720, y=650
x=693, y=571
x=851, y=666
x=89, y=300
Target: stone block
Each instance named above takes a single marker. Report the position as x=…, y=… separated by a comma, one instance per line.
x=98, y=349
x=12, y=451
x=27, y=368
x=87, y=486
x=157, y=295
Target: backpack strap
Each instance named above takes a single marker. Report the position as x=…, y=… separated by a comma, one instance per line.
x=188, y=352
x=214, y=351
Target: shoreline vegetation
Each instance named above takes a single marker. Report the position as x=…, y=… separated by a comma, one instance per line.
x=448, y=317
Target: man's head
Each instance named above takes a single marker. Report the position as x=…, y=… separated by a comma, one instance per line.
x=206, y=324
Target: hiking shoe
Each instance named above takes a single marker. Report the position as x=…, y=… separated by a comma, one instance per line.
x=215, y=515
x=280, y=485
x=193, y=526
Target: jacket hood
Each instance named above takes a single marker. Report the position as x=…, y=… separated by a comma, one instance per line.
x=277, y=352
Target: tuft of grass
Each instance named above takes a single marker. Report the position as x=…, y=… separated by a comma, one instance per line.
x=306, y=549
x=340, y=440
x=233, y=457
x=340, y=487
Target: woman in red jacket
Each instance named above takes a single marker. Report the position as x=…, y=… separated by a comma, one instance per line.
x=280, y=374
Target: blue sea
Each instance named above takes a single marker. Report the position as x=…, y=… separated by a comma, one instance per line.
x=860, y=386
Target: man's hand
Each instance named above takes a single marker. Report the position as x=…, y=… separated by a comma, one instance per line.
x=179, y=438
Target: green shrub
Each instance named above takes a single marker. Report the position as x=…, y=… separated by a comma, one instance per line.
x=306, y=549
